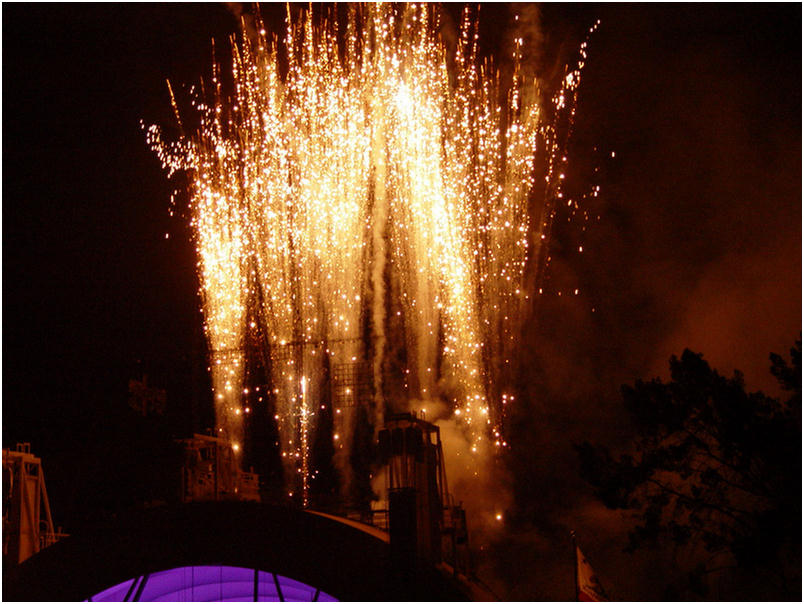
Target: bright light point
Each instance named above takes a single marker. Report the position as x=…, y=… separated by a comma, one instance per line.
x=499, y=517
x=403, y=99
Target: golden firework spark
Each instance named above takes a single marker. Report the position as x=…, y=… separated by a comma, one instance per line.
x=330, y=167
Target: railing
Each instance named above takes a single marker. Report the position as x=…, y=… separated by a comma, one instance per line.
x=375, y=518
x=47, y=539
x=379, y=518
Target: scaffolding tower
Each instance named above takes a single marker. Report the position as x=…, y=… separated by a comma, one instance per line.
x=423, y=517
x=27, y=523
x=210, y=472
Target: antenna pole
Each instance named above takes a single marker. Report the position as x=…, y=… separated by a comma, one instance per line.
x=575, y=565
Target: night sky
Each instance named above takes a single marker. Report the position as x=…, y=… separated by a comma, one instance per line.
x=698, y=244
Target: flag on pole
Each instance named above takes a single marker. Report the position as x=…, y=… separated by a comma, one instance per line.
x=587, y=585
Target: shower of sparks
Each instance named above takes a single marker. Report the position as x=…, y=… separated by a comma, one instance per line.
x=340, y=185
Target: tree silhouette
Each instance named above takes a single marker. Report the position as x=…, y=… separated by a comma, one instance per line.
x=712, y=466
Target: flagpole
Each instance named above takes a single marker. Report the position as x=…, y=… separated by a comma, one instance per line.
x=575, y=569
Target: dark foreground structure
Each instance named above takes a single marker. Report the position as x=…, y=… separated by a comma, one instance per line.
x=221, y=543
x=337, y=558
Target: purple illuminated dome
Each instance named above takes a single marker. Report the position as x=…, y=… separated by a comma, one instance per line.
x=212, y=584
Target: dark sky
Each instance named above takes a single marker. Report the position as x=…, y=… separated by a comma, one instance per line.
x=698, y=245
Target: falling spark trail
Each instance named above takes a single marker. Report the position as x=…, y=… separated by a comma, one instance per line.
x=318, y=184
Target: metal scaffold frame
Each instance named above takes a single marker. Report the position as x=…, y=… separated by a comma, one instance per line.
x=27, y=522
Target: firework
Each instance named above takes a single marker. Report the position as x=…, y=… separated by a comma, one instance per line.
x=366, y=192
